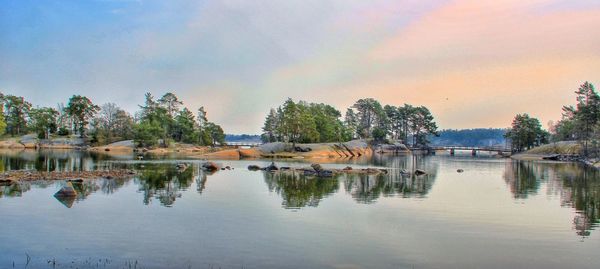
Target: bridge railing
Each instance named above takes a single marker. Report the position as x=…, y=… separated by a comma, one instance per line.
x=244, y=144
x=478, y=148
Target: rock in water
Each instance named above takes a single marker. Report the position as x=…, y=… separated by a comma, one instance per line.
x=66, y=191
x=460, y=170
x=420, y=172
x=210, y=166
x=181, y=166
x=272, y=167
x=316, y=166
x=253, y=167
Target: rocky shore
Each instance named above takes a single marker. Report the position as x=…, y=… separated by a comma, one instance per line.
x=350, y=149
x=10, y=177
x=31, y=141
x=560, y=152
x=319, y=171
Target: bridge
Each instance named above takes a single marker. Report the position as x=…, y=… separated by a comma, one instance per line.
x=473, y=150
x=240, y=144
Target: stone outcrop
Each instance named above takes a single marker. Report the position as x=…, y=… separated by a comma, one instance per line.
x=351, y=149
x=126, y=146
x=31, y=141
x=391, y=148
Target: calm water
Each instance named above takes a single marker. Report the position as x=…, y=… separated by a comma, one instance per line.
x=497, y=214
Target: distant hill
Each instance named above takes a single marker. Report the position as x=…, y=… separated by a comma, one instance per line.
x=242, y=138
x=470, y=137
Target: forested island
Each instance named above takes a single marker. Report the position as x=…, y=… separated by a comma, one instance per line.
x=165, y=124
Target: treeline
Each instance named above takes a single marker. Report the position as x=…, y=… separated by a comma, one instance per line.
x=303, y=122
x=578, y=123
x=582, y=121
x=242, y=138
x=158, y=123
x=470, y=137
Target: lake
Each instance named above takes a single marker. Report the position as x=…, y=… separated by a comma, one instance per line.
x=498, y=213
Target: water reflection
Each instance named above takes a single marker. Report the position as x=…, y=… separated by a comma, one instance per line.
x=165, y=182
x=51, y=160
x=369, y=188
x=578, y=187
x=298, y=190
x=14, y=190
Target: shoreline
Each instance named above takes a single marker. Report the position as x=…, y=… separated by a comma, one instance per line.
x=539, y=157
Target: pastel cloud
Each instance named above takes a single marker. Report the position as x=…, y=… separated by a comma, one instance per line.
x=490, y=59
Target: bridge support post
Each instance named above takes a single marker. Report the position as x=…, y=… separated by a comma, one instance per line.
x=474, y=153
x=451, y=152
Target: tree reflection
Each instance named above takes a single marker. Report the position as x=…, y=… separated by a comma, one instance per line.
x=400, y=180
x=578, y=187
x=522, y=178
x=165, y=182
x=298, y=190
x=110, y=186
x=51, y=160
x=14, y=190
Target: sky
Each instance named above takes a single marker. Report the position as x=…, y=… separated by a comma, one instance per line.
x=472, y=63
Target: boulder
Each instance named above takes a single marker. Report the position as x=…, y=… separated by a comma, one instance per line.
x=181, y=166
x=347, y=168
x=66, y=191
x=210, y=166
x=271, y=167
x=460, y=170
x=317, y=167
x=301, y=149
x=253, y=167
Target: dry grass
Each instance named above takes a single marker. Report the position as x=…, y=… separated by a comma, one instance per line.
x=563, y=147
